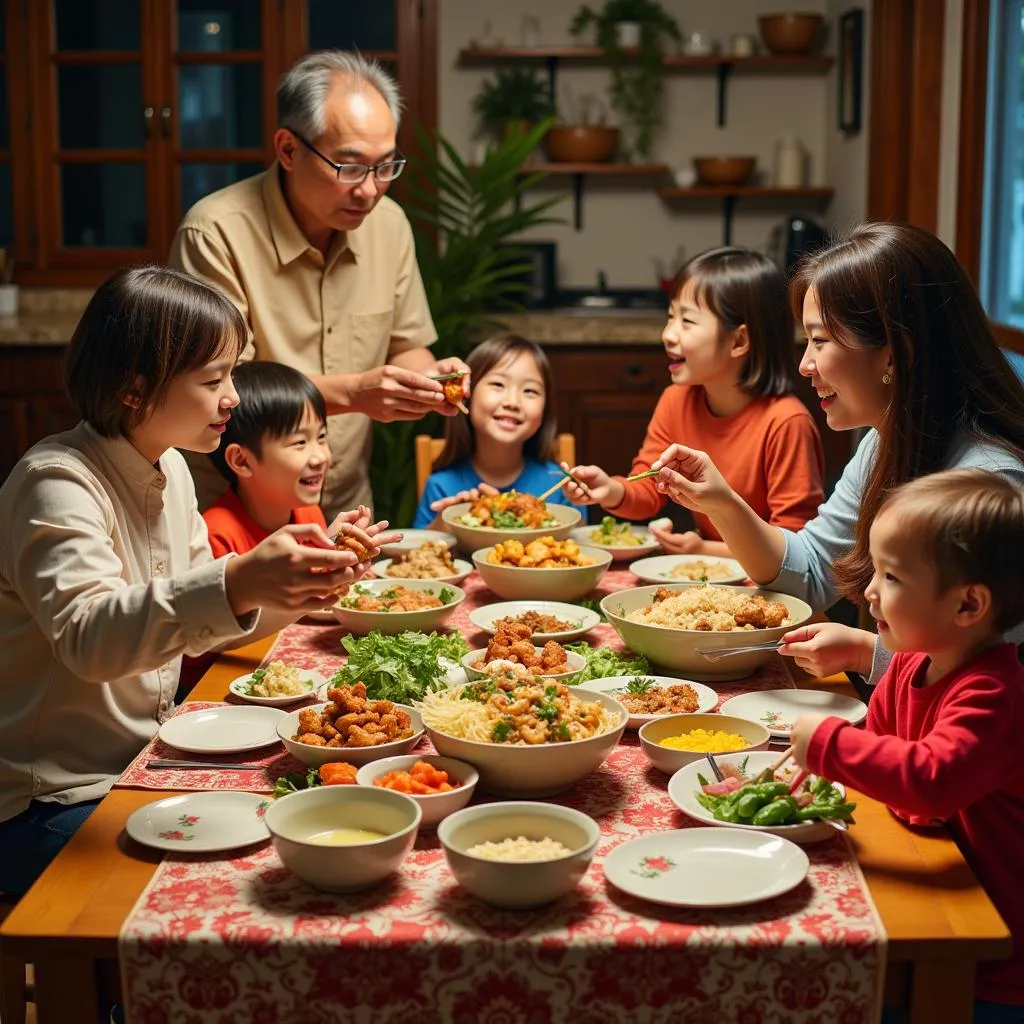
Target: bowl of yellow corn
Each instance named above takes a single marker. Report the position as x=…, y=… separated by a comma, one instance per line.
x=674, y=740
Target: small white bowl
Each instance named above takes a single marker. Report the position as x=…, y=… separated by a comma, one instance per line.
x=462, y=570
x=292, y=819
x=413, y=539
x=316, y=756
x=434, y=806
x=566, y=584
x=576, y=664
x=425, y=619
x=471, y=538
x=585, y=535
x=518, y=885
x=669, y=760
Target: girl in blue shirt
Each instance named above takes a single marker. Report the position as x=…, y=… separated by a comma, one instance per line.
x=507, y=442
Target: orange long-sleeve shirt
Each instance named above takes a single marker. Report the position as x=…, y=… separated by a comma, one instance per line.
x=769, y=452
x=232, y=529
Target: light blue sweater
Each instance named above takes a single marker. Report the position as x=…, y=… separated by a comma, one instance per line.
x=807, y=565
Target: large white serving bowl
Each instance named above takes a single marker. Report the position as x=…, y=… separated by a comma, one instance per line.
x=462, y=570
x=581, y=620
x=567, y=584
x=683, y=787
x=576, y=663
x=518, y=885
x=519, y=770
x=413, y=539
x=670, y=760
x=584, y=535
x=676, y=648
x=316, y=756
x=424, y=620
x=434, y=806
x=658, y=569
x=472, y=537
x=293, y=819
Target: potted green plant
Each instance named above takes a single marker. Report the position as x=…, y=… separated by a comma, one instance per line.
x=637, y=74
x=465, y=220
x=511, y=102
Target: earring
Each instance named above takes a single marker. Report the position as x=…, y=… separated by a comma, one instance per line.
x=886, y=378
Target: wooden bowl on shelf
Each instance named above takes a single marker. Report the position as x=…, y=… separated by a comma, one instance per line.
x=791, y=33
x=724, y=170
x=581, y=143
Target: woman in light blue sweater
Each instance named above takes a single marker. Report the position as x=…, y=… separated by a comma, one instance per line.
x=897, y=341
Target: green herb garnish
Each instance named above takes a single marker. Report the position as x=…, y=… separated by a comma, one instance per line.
x=479, y=691
x=294, y=781
x=501, y=731
x=639, y=685
x=254, y=680
x=507, y=521
x=446, y=596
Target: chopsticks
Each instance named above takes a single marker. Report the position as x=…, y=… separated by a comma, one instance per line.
x=170, y=763
x=565, y=477
x=769, y=773
x=643, y=476
x=714, y=767
x=458, y=375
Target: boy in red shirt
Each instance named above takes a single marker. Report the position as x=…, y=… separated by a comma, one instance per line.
x=942, y=743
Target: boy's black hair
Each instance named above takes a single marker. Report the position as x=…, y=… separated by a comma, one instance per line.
x=272, y=400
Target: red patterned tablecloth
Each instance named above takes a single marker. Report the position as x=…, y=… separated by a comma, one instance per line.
x=233, y=941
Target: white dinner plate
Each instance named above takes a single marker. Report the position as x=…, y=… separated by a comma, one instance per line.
x=706, y=867
x=314, y=680
x=200, y=822
x=659, y=569
x=227, y=730
x=615, y=686
x=462, y=570
x=777, y=710
x=684, y=785
x=583, y=619
x=413, y=539
x=620, y=552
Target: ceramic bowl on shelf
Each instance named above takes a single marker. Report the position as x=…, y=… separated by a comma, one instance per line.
x=724, y=170
x=791, y=33
x=581, y=143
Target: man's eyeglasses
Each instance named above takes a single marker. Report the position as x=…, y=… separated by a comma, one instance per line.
x=355, y=174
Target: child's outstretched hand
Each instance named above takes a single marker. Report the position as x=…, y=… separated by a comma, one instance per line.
x=360, y=517
x=691, y=479
x=473, y=494
x=296, y=569
x=801, y=733
x=598, y=487
x=688, y=543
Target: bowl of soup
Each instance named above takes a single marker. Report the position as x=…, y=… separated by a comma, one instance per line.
x=343, y=838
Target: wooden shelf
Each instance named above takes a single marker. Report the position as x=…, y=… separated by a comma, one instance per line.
x=729, y=194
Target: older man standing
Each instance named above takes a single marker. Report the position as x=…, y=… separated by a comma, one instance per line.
x=322, y=264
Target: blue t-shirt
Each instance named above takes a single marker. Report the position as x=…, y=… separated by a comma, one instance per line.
x=536, y=478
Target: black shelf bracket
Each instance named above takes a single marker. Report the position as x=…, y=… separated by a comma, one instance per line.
x=728, y=207
x=722, y=72
x=577, y=201
x=552, y=66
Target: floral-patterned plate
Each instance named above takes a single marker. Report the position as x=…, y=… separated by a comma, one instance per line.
x=706, y=867
x=200, y=822
x=777, y=710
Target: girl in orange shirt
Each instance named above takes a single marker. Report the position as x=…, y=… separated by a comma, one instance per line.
x=730, y=344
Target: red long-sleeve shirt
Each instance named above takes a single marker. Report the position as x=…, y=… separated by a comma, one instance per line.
x=769, y=452
x=950, y=751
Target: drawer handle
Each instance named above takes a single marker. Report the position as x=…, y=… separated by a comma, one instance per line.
x=633, y=378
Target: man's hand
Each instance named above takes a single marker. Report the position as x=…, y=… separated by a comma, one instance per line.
x=388, y=393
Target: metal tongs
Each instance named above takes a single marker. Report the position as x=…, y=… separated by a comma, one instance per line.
x=717, y=653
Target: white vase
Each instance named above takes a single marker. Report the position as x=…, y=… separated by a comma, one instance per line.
x=790, y=163
x=627, y=33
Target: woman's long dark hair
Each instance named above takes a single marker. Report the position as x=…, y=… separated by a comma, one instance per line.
x=459, y=439
x=899, y=285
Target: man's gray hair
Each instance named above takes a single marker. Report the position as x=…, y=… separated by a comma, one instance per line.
x=303, y=88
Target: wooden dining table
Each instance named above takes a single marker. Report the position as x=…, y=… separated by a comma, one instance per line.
x=937, y=917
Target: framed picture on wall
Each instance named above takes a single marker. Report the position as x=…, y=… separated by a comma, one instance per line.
x=851, y=69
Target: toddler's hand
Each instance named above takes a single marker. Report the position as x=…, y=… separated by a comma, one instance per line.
x=689, y=543
x=800, y=737
x=824, y=648
x=474, y=494
x=601, y=489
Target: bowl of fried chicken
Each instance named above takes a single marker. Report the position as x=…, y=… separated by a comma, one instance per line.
x=544, y=569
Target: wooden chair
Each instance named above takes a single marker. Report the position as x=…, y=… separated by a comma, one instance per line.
x=429, y=448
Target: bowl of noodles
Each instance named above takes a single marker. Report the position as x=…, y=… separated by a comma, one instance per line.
x=394, y=606
x=477, y=524
x=544, y=569
x=527, y=737
x=671, y=625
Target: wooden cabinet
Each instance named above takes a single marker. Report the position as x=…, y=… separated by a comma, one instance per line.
x=118, y=115
x=32, y=400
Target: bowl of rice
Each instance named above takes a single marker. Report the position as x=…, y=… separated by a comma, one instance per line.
x=674, y=740
x=517, y=571
x=476, y=531
x=669, y=624
x=518, y=855
x=394, y=606
x=527, y=737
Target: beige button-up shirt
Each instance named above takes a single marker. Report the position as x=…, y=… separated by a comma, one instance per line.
x=349, y=312
x=106, y=579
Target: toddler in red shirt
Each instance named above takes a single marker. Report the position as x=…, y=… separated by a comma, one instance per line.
x=944, y=728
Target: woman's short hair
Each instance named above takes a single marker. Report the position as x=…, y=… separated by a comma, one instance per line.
x=458, y=430
x=966, y=523
x=143, y=327
x=741, y=287
x=303, y=88
x=272, y=402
